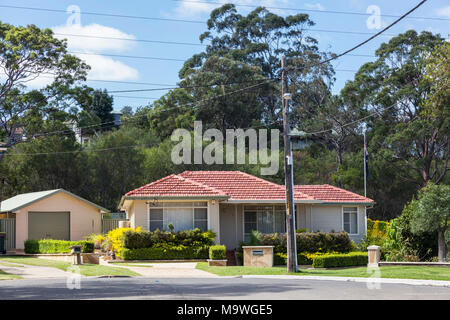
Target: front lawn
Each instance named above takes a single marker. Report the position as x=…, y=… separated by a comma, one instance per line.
x=85, y=269
x=6, y=276
x=397, y=272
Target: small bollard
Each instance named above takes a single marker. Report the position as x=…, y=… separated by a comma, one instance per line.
x=374, y=256
x=76, y=254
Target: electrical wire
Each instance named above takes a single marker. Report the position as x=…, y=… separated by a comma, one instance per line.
x=312, y=10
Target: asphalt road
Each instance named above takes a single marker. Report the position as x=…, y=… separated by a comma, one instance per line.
x=213, y=288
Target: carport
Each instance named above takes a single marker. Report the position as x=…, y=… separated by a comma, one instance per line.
x=52, y=214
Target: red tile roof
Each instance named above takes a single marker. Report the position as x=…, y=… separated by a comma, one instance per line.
x=241, y=186
x=237, y=185
x=328, y=193
x=175, y=186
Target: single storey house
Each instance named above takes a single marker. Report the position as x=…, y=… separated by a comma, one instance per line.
x=233, y=203
x=52, y=214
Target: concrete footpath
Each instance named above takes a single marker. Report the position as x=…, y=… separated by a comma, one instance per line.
x=369, y=281
x=168, y=270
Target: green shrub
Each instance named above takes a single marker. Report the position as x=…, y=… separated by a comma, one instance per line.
x=165, y=253
x=217, y=252
x=31, y=246
x=340, y=260
x=56, y=246
x=132, y=239
x=310, y=242
x=279, y=259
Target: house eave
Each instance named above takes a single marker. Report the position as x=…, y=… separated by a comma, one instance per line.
x=183, y=198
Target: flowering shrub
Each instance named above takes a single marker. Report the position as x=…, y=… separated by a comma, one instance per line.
x=114, y=238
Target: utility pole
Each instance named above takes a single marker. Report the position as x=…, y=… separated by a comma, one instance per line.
x=288, y=175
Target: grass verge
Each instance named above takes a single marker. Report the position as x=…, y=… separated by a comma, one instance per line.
x=7, y=276
x=85, y=269
x=396, y=272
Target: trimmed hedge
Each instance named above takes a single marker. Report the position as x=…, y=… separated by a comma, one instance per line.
x=133, y=239
x=341, y=260
x=56, y=246
x=217, y=252
x=311, y=242
x=303, y=258
x=167, y=253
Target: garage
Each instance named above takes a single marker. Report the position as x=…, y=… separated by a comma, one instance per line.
x=49, y=225
x=51, y=214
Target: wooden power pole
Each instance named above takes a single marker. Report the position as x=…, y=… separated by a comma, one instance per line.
x=288, y=176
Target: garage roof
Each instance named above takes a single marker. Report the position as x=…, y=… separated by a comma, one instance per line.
x=25, y=199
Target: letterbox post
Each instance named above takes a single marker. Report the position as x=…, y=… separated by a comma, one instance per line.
x=76, y=254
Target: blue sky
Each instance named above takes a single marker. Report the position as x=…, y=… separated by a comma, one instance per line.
x=166, y=72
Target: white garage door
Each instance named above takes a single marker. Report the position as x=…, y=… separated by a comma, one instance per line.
x=49, y=225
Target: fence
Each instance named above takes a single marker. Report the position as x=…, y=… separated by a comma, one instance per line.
x=110, y=224
x=9, y=226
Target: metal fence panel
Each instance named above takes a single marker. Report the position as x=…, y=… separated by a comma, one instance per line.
x=9, y=226
x=110, y=224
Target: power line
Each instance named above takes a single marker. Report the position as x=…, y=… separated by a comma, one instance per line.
x=128, y=56
x=103, y=14
x=313, y=10
x=130, y=39
x=375, y=113
x=298, y=68
x=368, y=40
x=218, y=3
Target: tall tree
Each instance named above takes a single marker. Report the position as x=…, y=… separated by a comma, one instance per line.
x=25, y=54
x=431, y=213
x=259, y=40
x=395, y=86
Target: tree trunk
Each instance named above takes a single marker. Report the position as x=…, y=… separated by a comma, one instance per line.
x=441, y=246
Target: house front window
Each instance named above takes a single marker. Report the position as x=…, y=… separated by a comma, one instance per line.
x=350, y=220
x=182, y=215
x=264, y=219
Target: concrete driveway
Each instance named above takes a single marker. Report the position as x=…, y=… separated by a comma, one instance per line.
x=168, y=270
x=33, y=272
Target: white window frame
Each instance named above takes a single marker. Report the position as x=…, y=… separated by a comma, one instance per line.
x=357, y=219
x=166, y=205
x=256, y=211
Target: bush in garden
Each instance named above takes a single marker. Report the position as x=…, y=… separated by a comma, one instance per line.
x=115, y=238
x=217, y=253
x=132, y=239
x=310, y=242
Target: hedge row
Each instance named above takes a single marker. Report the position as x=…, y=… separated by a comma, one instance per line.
x=341, y=260
x=303, y=258
x=168, y=253
x=133, y=239
x=56, y=246
x=311, y=242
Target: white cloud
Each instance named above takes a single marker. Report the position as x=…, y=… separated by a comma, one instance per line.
x=85, y=43
x=444, y=12
x=102, y=68
x=316, y=6
x=105, y=68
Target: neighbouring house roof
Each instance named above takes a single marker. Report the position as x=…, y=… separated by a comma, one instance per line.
x=25, y=199
x=328, y=193
x=237, y=186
